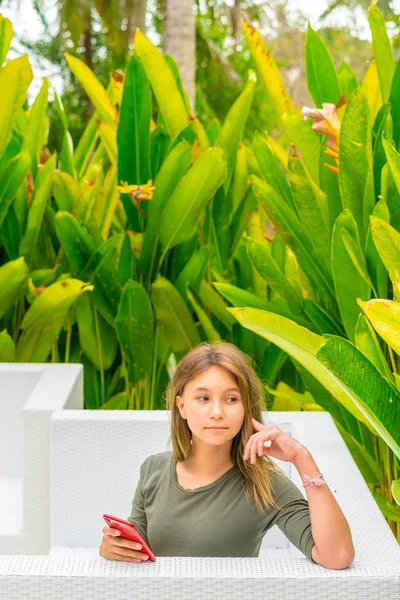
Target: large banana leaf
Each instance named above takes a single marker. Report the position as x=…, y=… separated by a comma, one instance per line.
x=173, y=316
x=382, y=50
x=302, y=345
x=183, y=208
x=322, y=79
x=375, y=396
x=96, y=92
x=15, y=78
x=162, y=81
x=135, y=324
x=13, y=279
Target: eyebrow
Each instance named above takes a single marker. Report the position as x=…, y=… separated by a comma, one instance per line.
x=201, y=389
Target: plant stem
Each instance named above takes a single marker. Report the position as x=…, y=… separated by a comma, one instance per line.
x=96, y=324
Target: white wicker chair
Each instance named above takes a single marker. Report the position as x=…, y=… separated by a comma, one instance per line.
x=29, y=393
x=94, y=467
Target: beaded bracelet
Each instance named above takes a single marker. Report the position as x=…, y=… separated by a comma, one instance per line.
x=317, y=480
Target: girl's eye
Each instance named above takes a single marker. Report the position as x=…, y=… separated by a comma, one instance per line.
x=230, y=398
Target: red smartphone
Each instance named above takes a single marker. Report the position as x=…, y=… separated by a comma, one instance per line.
x=129, y=531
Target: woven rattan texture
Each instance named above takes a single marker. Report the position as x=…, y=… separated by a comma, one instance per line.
x=186, y=578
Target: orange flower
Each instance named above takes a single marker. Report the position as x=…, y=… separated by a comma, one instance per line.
x=326, y=121
x=138, y=193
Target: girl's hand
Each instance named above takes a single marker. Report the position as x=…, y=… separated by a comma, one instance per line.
x=283, y=446
x=116, y=547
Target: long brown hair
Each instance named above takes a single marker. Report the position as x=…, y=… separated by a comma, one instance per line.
x=256, y=476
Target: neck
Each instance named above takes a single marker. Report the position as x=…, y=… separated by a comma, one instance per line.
x=206, y=460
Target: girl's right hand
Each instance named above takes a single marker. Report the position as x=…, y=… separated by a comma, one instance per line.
x=116, y=547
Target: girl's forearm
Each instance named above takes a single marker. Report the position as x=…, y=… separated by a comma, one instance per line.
x=331, y=532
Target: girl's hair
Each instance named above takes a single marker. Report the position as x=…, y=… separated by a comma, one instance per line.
x=256, y=477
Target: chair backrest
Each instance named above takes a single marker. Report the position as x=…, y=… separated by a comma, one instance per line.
x=95, y=466
x=16, y=387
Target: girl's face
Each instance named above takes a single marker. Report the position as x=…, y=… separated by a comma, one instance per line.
x=212, y=399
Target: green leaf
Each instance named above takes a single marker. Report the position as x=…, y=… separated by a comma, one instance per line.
x=381, y=408
x=269, y=71
x=6, y=34
x=162, y=81
x=133, y=134
x=180, y=219
x=307, y=140
x=387, y=242
x=34, y=139
x=296, y=237
x=214, y=302
x=209, y=329
x=384, y=316
x=312, y=207
x=96, y=92
x=347, y=79
x=382, y=50
x=322, y=80
x=37, y=208
x=67, y=156
x=266, y=266
x=193, y=273
x=395, y=104
x=344, y=271
x=241, y=298
x=12, y=175
x=173, y=169
x=368, y=343
x=15, y=79
x=7, y=348
x=109, y=139
x=65, y=190
x=13, y=278
x=53, y=302
x=302, y=345
x=393, y=158
x=395, y=489
x=233, y=126
x=173, y=316
x=271, y=169
x=96, y=336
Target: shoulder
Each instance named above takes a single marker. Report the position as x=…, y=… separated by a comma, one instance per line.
x=156, y=462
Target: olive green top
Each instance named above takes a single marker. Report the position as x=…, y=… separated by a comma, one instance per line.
x=215, y=519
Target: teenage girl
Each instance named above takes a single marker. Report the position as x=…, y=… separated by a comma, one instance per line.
x=218, y=492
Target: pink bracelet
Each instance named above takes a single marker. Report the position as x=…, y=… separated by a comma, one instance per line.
x=317, y=480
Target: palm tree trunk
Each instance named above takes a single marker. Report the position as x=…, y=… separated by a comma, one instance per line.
x=87, y=36
x=136, y=17
x=180, y=41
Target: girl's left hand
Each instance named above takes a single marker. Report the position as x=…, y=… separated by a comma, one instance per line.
x=283, y=446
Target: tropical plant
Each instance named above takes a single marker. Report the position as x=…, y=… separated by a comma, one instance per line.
x=330, y=202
